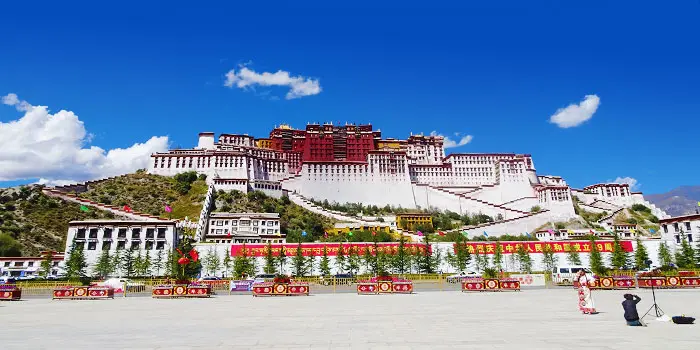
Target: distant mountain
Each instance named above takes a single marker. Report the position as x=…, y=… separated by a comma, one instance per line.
x=678, y=201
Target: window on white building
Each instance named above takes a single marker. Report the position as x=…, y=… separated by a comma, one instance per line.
x=92, y=245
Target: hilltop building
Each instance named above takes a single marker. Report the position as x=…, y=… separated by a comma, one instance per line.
x=352, y=163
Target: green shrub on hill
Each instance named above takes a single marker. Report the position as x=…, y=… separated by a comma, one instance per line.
x=149, y=193
x=31, y=221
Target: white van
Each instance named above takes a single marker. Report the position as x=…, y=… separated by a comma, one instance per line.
x=565, y=274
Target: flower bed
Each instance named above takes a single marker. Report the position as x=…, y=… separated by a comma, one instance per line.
x=669, y=281
x=610, y=282
x=181, y=291
x=280, y=289
x=385, y=285
x=10, y=292
x=490, y=284
x=83, y=292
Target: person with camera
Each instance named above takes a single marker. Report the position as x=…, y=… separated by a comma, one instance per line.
x=630, y=307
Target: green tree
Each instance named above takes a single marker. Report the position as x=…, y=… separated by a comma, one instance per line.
x=104, y=265
x=369, y=260
x=46, y=264
x=299, y=262
x=227, y=264
x=116, y=263
x=685, y=257
x=340, y=259
x=127, y=263
x=171, y=264
x=549, y=260
x=324, y=265
x=640, y=255
x=212, y=262
x=524, y=259
x=572, y=256
x=427, y=261
x=8, y=245
x=498, y=257
x=76, y=265
x=665, y=257
x=281, y=259
x=619, y=259
x=270, y=266
x=596, y=260
x=400, y=260
x=353, y=260
x=138, y=264
x=147, y=264
x=158, y=263
x=243, y=264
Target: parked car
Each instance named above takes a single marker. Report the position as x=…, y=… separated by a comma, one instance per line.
x=209, y=278
x=118, y=284
x=7, y=280
x=457, y=278
x=565, y=274
x=265, y=277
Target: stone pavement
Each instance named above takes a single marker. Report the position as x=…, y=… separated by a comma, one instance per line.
x=531, y=319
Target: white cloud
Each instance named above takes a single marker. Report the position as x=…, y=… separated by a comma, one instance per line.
x=299, y=86
x=54, y=148
x=450, y=143
x=575, y=115
x=634, y=185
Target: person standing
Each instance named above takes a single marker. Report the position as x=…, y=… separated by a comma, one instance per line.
x=585, y=299
x=630, y=307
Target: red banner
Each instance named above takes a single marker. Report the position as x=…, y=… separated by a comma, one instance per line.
x=538, y=247
x=316, y=249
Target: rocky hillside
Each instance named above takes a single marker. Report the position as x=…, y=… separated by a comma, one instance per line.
x=31, y=221
x=678, y=201
x=149, y=193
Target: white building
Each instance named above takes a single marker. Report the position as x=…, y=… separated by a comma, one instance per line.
x=682, y=227
x=28, y=267
x=95, y=236
x=244, y=228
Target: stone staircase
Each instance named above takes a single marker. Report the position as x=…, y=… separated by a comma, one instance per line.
x=303, y=202
x=498, y=228
x=479, y=202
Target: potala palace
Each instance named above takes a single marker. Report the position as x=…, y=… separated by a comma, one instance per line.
x=353, y=163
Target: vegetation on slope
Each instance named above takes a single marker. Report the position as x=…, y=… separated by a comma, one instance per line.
x=442, y=220
x=149, y=193
x=293, y=218
x=31, y=221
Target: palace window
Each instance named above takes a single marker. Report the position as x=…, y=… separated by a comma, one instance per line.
x=92, y=245
x=107, y=233
x=81, y=233
x=160, y=245
x=121, y=245
x=106, y=245
x=136, y=233
x=161, y=232
x=149, y=245
x=93, y=233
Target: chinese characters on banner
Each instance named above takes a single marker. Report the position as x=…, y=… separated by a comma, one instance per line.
x=316, y=249
x=538, y=247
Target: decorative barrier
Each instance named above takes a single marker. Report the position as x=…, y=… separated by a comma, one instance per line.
x=181, y=291
x=385, y=287
x=490, y=284
x=10, y=293
x=610, y=283
x=280, y=289
x=669, y=282
x=83, y=292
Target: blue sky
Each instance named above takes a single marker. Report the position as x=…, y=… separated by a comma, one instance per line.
x=494, y=70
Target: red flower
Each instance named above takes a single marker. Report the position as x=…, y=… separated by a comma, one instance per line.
x=183, y=261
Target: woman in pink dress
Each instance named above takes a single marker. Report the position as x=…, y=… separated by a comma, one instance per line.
x=585, y=299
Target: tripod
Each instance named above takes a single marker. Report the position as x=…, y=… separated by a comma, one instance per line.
x=657, y=310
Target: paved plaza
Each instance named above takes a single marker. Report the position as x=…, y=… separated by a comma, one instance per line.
x=531, y=319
